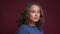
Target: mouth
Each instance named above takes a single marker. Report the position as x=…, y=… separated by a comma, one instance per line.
x=35, y=18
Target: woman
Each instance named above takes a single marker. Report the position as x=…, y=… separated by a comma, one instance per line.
x=31, y=19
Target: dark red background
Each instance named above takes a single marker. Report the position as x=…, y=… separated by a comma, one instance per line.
x=10, y=9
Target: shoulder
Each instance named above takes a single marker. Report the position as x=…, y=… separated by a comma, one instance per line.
x=42, y=32
x=23, y=27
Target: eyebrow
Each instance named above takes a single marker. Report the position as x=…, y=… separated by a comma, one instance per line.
x=35, y=10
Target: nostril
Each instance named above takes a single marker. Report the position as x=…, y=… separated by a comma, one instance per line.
x=35, y=14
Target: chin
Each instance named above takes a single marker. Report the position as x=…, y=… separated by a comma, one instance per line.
x=35, y=20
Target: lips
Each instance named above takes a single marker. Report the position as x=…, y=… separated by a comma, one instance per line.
x=35, y=18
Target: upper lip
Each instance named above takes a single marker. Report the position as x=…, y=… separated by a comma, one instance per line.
x=35, y=18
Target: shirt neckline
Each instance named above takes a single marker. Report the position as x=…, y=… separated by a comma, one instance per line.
x=29, y=25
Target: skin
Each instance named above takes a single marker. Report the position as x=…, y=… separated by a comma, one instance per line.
x=34, y=14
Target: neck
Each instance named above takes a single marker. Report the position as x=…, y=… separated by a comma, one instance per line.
x=31, y=23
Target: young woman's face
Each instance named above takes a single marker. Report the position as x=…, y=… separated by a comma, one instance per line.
x=34, y=13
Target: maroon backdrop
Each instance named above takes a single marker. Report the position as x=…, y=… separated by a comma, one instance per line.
x=10, y=9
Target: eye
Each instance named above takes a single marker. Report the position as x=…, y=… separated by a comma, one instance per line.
x=32, y=11
x=38, y=11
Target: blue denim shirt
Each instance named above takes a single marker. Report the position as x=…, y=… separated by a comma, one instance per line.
x=26, y=29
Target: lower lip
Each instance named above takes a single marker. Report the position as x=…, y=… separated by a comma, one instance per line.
x=35, y=18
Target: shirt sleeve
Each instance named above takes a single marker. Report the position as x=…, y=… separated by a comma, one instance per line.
x=42, y=32
x=22, y=30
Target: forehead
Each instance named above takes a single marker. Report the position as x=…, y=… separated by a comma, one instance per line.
x=35, y=7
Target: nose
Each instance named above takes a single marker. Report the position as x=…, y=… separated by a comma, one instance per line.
x=35, y=14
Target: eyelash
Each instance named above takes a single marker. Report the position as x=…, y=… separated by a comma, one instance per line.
x=32, y=11
x=37, y=12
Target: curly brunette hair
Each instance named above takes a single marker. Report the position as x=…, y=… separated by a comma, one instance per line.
x=23, y=19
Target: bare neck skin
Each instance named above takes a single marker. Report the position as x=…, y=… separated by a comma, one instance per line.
x=31, y=23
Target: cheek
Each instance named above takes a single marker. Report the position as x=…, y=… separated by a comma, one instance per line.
x=32, y=15
x=39, y=15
